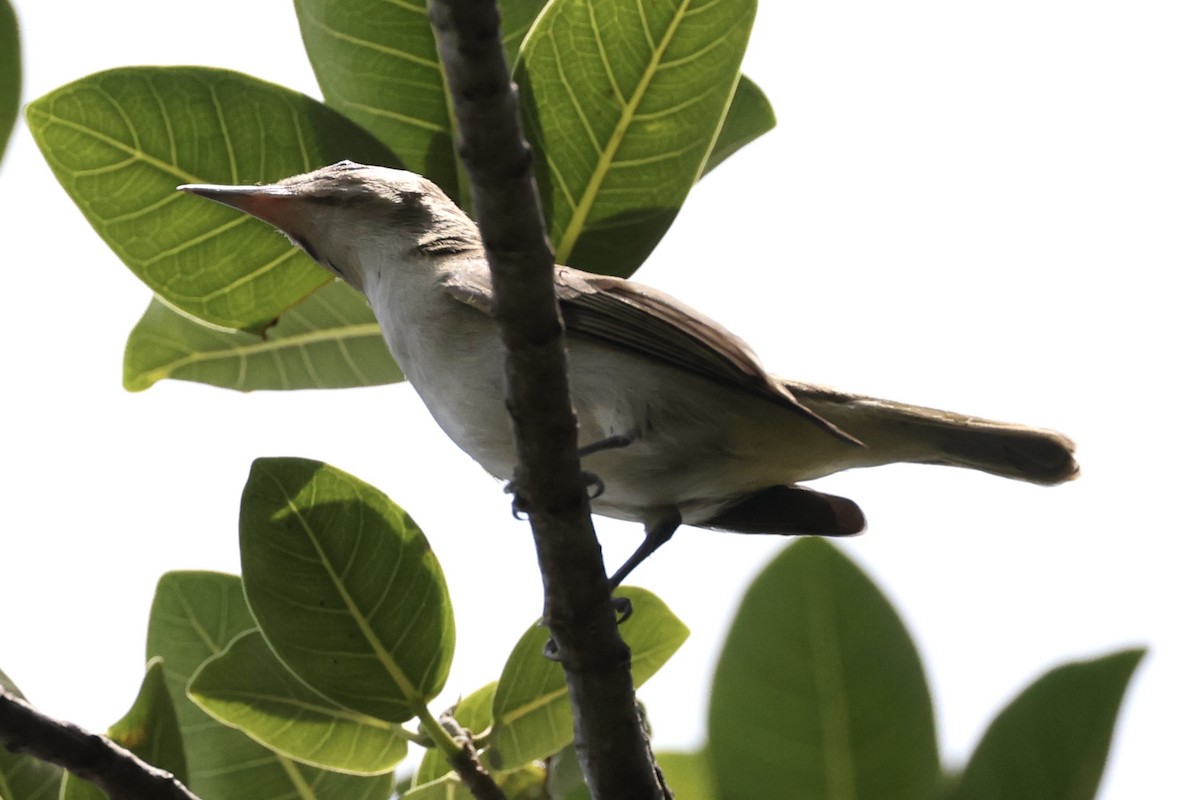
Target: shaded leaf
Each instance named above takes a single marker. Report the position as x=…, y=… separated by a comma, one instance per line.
x=531, y=710
x=331, y=340
x=150, y=731
x=516, y=18
x=345, y=587
x=623, y=101
x=121, y=141
x=819, y=685
x=750, y=116
x=10, y=73
x=248, y=688
x=564, y=779
x=25, y=777
x=195, y=616
x=1051, y=743
x=376, y=62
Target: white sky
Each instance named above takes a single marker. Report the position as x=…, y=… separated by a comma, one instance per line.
x=989, y=207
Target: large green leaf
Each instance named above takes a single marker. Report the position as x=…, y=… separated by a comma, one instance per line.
x=195, y=616
x=1051, y=743
x=331, y=340
x=819, y=686
x=121, y=141
x=623, y=101
x=247, y=687
x=531, y=710
x=376, y=62
x=150, y=731
x=10, y=72
x=25, y=777
x=345, y=588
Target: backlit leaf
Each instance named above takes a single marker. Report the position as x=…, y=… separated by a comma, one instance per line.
x=623, y=101
x=121, y=141
x=345, y=588
x=247, y=687
x=331, y=340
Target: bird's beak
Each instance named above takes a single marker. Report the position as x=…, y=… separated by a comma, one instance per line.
x=271, y=204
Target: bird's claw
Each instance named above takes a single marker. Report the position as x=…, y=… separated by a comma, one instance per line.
x=622, y=606
x=520, y=509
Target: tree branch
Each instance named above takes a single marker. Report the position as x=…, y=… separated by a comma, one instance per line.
x=95, y=758
x=465, y=762
x=613, y=748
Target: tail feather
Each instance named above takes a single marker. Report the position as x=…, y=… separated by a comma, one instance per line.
x=895, y=432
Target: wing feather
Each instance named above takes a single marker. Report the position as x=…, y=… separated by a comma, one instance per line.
x=650, y=323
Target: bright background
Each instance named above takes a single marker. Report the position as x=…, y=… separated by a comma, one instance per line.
x=989, y=207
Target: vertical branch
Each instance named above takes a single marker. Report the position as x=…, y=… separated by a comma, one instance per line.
x=612, y=745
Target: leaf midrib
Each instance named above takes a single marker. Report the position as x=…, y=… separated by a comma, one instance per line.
x=588, y=199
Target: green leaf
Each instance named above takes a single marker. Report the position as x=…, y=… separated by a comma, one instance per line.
x=819, y=685
x=623, y=101
x=1051, y=743
x=121, y=141
x=150, y=731
x=25, y=777
x=689, y=775
x=195, y=616
x=345, y=587
x=531, y=710
x=750, y=116
x=331, y=340
x=565, y=777
x=10, y=72
x=376, y=62
x=248, y=688
x=473, y=713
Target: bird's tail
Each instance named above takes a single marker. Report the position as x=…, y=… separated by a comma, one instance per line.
x=893, y=432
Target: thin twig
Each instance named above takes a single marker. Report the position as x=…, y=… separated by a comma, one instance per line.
x=95, y=758
x=613, y=749
x=465, y=762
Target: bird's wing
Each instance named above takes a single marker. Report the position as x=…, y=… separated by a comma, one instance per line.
x=649, y=323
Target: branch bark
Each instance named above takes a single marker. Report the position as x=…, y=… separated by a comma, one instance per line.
x=612, y=745
x=95, y=758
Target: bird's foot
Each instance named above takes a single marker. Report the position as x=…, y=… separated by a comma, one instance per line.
x=520, y=508
x=622, y=607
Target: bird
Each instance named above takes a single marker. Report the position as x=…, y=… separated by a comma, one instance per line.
x=681, y=424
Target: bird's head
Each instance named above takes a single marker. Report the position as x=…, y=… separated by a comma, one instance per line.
x=352, y=219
